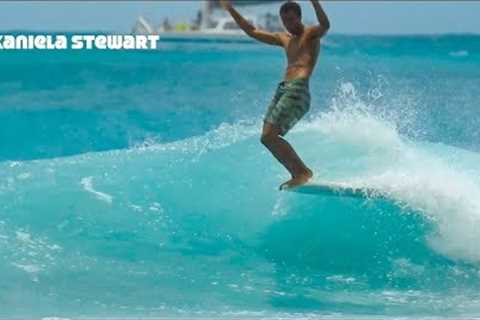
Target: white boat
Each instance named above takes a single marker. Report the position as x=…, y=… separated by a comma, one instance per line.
x=227, y=26
x=220, y=29
x=211, y=27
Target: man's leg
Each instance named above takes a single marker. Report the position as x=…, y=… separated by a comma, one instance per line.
x=285, y=154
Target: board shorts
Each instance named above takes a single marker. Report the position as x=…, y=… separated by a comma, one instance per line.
x=289, y=104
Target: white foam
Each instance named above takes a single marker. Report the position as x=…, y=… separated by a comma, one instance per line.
x=223, y=136
x=24, y=176
x=88, y=186
x=23, y=237
x=341, y=279
x=350, y=121
x=447, y=197
x=446, y=193
x=29, y=268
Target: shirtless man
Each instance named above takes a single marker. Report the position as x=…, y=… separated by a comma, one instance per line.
x=292, y=98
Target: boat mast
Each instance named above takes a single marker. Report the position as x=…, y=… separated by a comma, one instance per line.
x=206, y=14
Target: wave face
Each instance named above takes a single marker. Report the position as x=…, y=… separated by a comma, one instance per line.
x=191, y=222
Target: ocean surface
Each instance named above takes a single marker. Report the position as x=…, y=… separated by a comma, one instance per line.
x=134, y=184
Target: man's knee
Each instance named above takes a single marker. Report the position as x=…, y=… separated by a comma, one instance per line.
x=268, y=139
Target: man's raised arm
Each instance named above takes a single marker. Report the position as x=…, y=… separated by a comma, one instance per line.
x=324, y=23
x=263, y=36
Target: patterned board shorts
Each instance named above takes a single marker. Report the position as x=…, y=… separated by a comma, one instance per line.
x=289, y=104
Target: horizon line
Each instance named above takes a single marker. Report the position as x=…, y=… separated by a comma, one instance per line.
x=99, y=31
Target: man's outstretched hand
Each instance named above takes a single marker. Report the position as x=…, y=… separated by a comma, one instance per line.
x=225, y=4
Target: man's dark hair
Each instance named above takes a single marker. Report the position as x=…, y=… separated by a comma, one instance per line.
x=291, y=6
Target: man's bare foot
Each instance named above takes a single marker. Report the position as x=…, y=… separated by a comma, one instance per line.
x=297, y=181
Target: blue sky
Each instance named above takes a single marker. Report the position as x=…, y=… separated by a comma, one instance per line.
x=376, y=17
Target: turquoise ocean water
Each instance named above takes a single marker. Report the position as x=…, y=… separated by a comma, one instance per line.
x=134, y=184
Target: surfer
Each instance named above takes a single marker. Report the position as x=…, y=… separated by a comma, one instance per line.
x=292, y=97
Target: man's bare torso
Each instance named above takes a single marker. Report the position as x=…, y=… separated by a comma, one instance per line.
x=302, y=53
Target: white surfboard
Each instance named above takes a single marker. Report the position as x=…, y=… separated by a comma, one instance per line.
x=327, y=188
